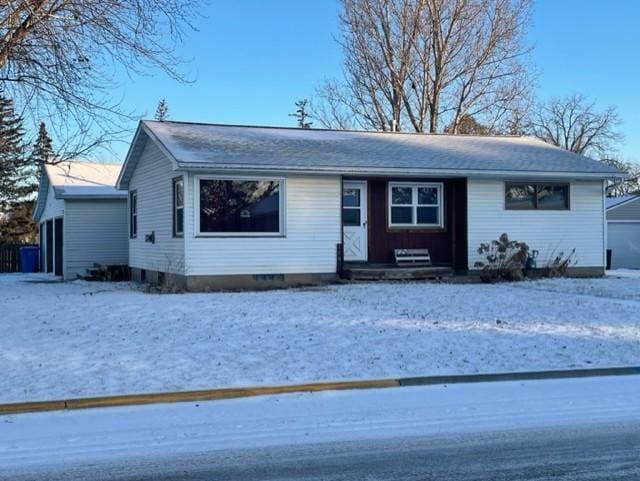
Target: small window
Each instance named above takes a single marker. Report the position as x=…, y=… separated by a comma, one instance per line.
x=240, y=206
x=351, y=207
x=536, y=196
x=178, y=207
x=415, y=205
x=133, y=214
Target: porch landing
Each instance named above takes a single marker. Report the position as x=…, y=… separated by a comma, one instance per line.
x=391, y=272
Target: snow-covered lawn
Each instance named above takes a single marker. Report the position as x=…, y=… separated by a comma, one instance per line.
x=81, y=339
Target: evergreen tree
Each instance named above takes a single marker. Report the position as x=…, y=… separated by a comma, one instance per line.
x=467, y=124
x=162, y=110
x=302, y=115
x=13, y=164
x=16, y=224
x=42, y=150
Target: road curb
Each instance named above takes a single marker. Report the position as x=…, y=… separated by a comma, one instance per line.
x=519, y=376
x=229, y=393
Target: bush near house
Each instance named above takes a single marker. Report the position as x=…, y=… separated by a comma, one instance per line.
x=506, y=260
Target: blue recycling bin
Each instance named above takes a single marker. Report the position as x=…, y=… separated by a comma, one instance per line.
x=29, y=259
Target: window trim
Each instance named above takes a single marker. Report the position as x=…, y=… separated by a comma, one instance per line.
x=174, y=206
x=359, y=207
x=133, y=233
x=414, y=205
x=282, y=206
x=536, y=186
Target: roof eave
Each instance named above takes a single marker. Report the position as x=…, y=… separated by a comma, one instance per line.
x=118, y=196
x=43, y=191
x=404, y=172
x=135, y=150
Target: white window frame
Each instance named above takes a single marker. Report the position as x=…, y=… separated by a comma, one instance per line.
x=282, y=206
x=414, y=205
x=175, y=181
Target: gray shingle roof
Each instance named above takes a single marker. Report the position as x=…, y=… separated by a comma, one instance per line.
x=614, y=201
x=272, y=148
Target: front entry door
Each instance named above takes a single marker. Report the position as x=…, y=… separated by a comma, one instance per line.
x=354, y=220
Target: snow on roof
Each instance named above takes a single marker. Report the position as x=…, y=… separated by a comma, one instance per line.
x=84, y=179
x=614, y=201
x=251, y=147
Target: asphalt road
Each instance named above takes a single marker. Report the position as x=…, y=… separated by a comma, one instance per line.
x=589, y=452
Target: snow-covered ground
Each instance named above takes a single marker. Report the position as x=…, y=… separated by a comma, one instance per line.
x=82, y=339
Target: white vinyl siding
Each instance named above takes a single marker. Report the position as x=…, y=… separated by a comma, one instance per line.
x=95, y=231
x=548, y=231
x=312, y=233
x=153, y=181
x=626, y=211
x=53, y=207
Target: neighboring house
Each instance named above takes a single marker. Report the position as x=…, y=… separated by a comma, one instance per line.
x=82, y=218
x=219, y=206
x=623, y=231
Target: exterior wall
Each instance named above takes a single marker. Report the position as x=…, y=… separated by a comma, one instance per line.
x=53, y=207
x=95, y=231
x=548, y=231
x=628, y=211
x=309, y=246
x=447, y=245
x=152, y=179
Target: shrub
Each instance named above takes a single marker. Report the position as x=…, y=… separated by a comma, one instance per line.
x=558, y=265
x=505, y=260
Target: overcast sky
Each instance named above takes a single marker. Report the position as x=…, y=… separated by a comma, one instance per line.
x=251, y=59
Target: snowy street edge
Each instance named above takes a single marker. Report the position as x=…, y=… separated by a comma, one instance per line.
x=228, y=393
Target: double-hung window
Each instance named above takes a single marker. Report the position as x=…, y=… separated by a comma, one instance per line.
x=178, y=207
x=133, y=214
x=415, y=205
x=240, y=206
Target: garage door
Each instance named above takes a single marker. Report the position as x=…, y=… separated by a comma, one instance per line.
x=623, y=238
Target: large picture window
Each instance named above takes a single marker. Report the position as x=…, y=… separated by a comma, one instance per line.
x=178, y=207
x=540, y=196
x=240, y=206
x=133, y=214
x=415, y=205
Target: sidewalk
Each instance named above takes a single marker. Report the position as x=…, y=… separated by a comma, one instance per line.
x=38, y=440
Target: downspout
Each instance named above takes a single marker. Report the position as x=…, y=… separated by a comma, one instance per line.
x=340, y=253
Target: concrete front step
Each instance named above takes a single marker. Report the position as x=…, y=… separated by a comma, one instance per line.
x=393, y=273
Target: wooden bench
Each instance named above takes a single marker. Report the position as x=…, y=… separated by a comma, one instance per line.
x=412, y=257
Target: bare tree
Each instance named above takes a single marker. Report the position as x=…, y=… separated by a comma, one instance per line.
x=378, y=37
x=574, y=123
x=629, y=185
x=59, y=59
x=421, y=64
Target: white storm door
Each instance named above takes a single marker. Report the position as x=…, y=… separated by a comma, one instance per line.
x=354, y=220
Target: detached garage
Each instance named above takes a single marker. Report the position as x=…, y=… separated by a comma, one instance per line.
x=623, y=231
x=82, y=218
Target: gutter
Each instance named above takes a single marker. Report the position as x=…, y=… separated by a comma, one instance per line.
x=400, y=172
